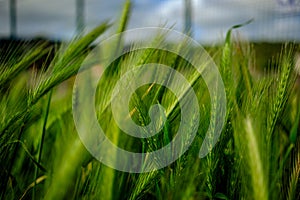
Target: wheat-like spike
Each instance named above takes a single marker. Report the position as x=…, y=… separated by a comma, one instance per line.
x=125, y=16
x=226, y=68
x=287, y=79
x=143, y=181
x=295, y=176
x=67, y=69
x=259, y=184
x=68, y=64
x=11, y=71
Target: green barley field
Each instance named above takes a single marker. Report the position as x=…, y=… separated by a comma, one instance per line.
x=257, y=155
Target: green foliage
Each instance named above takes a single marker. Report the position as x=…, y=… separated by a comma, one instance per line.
x=257, y=156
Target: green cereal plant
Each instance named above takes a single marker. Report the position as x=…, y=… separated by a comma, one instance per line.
x=42, y=156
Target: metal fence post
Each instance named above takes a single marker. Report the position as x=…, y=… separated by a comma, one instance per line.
x=79, y=16
x=188, y=17
x=13, y=18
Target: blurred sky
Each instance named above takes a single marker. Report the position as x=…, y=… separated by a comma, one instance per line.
x=274, y=20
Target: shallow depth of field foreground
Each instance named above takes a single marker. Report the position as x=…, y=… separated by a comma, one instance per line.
x=44, y=152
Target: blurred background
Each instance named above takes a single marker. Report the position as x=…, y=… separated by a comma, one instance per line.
x=206, y=20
